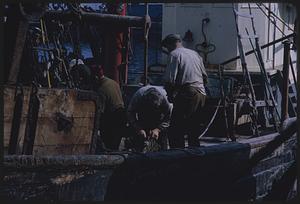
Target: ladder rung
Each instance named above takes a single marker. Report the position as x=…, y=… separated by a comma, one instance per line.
x=293, y=100
x=243, y=14
x=291, y=85
x=263, y=103
x=248, y=36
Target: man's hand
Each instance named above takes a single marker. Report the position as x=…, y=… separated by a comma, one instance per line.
x=171, y=92
x=155, y=133
x=142, y=133
x=205, y=79
x=169, y=88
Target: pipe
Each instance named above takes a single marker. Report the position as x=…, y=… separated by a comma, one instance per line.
x=146, y=32
x=121, y=45
x=118, y=21
x=126, y=37
x=113, y=44
x=268, y=50
x=274, y=36
x=267, y=85
x=293, y=71
x=285, y=84
x=18, y=51
x=262, y=47
x=273, y=46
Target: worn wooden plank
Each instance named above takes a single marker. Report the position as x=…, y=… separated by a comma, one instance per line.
x=7, y=131
x=64, y=100
x=63, y=161
x=8, y=96
x=52, y=101
x=18, y=51
x=80, y=133
x=76, y=149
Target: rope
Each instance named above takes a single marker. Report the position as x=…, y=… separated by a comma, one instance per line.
x=211, y=121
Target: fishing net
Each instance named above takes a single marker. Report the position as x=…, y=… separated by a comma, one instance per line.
x=151, y=145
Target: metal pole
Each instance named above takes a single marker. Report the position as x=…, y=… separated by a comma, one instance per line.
x=263, y=69
x=113, y=45
x=268, y=50
x=293, y=71
x=273, y=46
x=262, y=47
x=223, y=97
x=285, y=84
x=119, y=22
x=247, y=76
x=146, y=31
x=18, y=51
x=267, y=85
x=269, y=11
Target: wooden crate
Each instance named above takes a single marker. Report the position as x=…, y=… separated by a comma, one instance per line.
x=48, y=139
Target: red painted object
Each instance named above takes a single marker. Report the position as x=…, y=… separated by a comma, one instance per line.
x=113, y=46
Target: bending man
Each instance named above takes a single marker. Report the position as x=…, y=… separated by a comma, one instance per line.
x=149, y=115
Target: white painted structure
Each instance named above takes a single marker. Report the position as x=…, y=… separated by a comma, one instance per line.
x=221, y=29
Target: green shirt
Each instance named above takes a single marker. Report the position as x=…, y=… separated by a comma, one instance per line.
x=112, y=94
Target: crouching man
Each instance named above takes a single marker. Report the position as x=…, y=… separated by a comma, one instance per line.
x=149, y=115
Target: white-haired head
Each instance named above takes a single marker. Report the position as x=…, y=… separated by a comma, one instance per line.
x=74, y=62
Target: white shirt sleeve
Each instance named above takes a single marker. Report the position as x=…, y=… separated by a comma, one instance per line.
x=202, y=66
x=171, y=70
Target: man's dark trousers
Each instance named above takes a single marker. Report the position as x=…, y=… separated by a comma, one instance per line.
x=186, y=117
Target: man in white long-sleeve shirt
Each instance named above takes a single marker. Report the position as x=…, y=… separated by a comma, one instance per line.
x=149, y=115
x=185, y=78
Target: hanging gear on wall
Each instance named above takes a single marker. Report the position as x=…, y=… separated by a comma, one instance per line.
x=205, y=47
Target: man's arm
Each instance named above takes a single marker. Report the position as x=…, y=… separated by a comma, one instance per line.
x=170, y=89
x=165, y=123
x=202, y=67
x=170, y=76
x=132, y=111
x=167, y=116
x=205, y=77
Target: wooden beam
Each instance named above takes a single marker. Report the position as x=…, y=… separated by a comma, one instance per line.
x=111, y=20
x=18, y=51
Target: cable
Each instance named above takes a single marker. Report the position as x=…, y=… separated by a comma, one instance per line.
x=205, y=47
x=211, y=121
